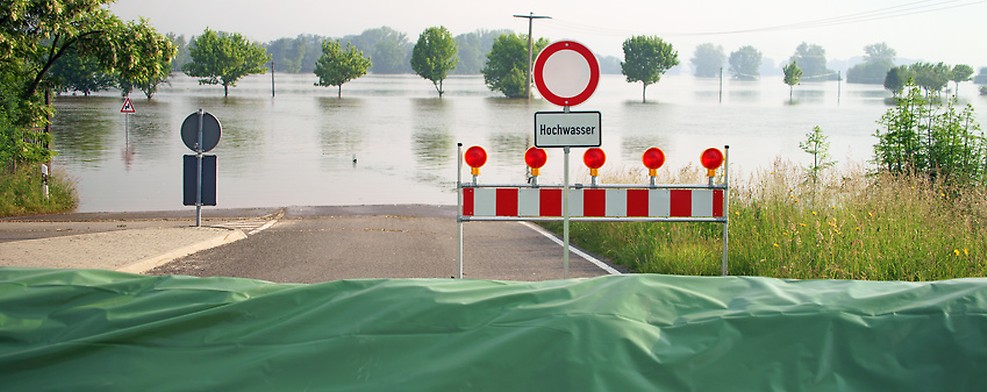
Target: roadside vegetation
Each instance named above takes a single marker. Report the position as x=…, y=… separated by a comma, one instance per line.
x=21, y=193
x=919, y=213
x=850, y=226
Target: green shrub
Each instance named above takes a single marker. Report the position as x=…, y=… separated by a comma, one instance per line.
x=21, y=193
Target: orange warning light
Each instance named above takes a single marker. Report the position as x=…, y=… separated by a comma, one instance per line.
x=711, y=159
x=653, y=159
x=535, y=158
x=594, y=158
x=475, y=157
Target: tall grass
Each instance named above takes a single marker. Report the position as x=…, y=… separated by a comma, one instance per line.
x=21, y=193
x=849, y=226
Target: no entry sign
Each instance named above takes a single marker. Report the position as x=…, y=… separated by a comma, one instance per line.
x=566, y=73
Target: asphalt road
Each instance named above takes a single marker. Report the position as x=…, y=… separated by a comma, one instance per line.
x=316, y=244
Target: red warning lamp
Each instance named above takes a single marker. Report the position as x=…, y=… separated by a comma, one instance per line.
x=535, y=158
x=594, y=158
x=475, y=157
x=653, y=159
x=711, y=159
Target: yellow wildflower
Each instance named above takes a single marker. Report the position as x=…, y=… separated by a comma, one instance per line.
x=956, y=251
x=776, y=245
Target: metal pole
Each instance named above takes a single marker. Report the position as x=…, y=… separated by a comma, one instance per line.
x=531, y=17
x=565, y=216
x=459, y=205
x=272, y=78
x=839, y=86
x=726, y=208
x=721, y=84
x=198, y=175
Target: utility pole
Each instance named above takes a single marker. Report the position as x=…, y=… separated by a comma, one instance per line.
x=530, y=17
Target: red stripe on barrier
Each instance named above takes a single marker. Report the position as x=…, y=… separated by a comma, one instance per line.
x=680, y=203
x=550, y=202
x=718, y=203
x=594, y=202
x=507, y=202
x=468, y=201
x=637, y=202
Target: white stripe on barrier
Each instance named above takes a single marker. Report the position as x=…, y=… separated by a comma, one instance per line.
x=529, y=202
x=485, y=202
x=616, y=202
x=702, y=203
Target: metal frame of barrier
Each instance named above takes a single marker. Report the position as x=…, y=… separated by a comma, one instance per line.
x=651, y=203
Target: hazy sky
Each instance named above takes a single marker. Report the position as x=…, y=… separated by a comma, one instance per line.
x=951, y=31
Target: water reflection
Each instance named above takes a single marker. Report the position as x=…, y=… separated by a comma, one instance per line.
x=81, y=133
x=341, y=133
x=432, y=140
x=298, y=148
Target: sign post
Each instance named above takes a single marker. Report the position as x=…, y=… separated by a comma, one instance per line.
x=200, y=132
x=566, y=74
x=127, y=109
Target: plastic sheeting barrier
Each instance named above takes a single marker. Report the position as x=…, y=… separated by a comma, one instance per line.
x=100, y=330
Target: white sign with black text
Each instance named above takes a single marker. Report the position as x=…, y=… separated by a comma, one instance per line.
x=568, y=129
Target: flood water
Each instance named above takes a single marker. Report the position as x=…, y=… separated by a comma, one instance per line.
x=298, y=148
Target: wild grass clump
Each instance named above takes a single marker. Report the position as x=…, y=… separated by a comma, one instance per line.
x=21, y=193
x=850, y=225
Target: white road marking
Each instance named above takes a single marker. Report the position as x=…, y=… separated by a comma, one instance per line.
x=610, y=270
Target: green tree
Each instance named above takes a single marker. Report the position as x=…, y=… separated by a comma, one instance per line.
x=646, y=59
x=812, y=60
x=224, y=58
x=472, y=49
x=938, y=142
x=35, y=35
x=745, y=63
x=145, y=60
x=182, y=56
x=434, y=56
x=879, y=59
x=896, y=79
x=80, y=72
x=960, y=73
x=793, y=75
x=507, y=64
x=708, y=60
x=337, y=66
x=817, y=145
x=389, y=49
x=930, y=77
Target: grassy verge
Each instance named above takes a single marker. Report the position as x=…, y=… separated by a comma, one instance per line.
x=851, y=226
x=21, y=193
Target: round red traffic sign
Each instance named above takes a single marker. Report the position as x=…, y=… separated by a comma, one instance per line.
x=566, y=73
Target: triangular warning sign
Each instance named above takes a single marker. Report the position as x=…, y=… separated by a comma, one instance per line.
x=128, y=107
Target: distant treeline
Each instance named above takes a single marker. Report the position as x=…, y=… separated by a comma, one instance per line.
x=390, y=51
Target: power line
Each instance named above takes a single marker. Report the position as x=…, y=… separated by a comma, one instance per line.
x=907, y=9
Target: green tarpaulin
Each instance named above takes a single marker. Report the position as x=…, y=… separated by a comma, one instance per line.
x=98, y=330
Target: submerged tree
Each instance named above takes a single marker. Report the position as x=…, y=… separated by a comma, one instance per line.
x=939, y=142
x=708, y=60
x=646, y=59
x=960, y=73
x=745, y=63
x=224, y=58
x=812, y=60
x=793, y=75
x=507, y=64
x=434, y=56
x=337, y=66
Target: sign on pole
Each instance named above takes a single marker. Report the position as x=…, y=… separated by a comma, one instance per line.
x=128, y=107
x=566, y=73
x=567, y=129
x=200, y=132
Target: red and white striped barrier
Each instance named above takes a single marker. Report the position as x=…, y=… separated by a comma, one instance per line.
x=593, y=202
